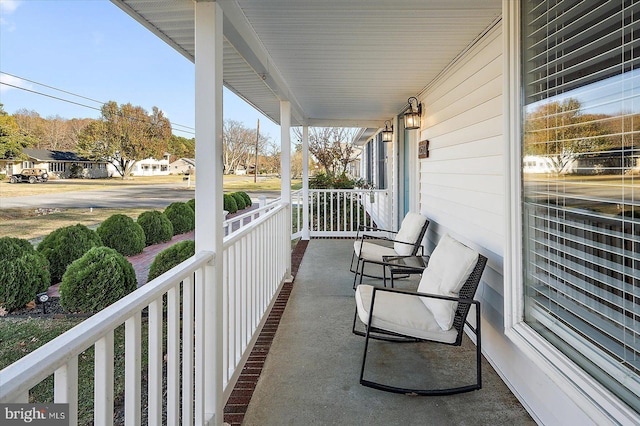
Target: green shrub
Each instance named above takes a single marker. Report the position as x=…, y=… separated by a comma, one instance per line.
x=192, y=203
x=123, y=234
x=171, y=257
x=23, y=273
x=247, y=199
x=182, y=217
x=64, y=245
x=156, y=226
x=96, y=280
x=324, y=181
x=239, y=200
x=230, y=204
x=12, y=248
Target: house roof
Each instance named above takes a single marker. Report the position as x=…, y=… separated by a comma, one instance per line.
x=51, y=155
x=191, y=161
x=340, y=63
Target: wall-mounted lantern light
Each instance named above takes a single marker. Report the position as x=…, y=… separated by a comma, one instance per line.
x=413, y=114
x=387, y=132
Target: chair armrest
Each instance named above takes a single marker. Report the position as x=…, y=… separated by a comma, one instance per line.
x=375, y=237
x=418, y=294
x=364, y=228
x=410, y=244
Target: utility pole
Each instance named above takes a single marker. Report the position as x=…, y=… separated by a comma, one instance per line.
x=255, y=167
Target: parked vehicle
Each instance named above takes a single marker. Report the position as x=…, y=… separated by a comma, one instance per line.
x=30, y=175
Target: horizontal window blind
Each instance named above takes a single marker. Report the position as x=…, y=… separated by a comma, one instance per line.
x=581, y=184
x=569, y=44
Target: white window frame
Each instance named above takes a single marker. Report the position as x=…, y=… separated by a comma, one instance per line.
x=597, y=402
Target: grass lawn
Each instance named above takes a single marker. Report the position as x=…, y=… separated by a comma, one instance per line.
x=18, y=337
x=71, y=185
x=230, y=183
x=21, y=222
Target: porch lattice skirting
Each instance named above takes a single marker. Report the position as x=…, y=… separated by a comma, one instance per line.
x=241, y=395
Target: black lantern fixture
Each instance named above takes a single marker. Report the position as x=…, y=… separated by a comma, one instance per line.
x=413, y=114
x=387, y=132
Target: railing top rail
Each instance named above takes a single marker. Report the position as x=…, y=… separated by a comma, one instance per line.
x=28, y=371
x=355, y=190
x=240, y=233
x=249, y=213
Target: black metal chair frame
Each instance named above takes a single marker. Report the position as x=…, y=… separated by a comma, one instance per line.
x=465, y=300
x=359, y=269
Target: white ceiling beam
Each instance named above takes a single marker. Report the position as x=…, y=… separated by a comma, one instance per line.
x=344, y=122
x=243, y=38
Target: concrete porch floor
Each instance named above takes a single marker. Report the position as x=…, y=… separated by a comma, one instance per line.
x=311, y=372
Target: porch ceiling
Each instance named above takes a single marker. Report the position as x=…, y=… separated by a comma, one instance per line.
x=340, y=63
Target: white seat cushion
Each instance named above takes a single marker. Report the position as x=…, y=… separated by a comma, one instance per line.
x=401, y=313
x=372, y=251
x=449, y=267
x=409, y=232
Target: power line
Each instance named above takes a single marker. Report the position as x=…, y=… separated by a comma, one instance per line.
x=50, y=96
x=76, y=95
x=51, y=87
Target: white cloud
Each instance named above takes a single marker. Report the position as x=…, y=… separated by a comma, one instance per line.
x=9, y=6
x=13, y=81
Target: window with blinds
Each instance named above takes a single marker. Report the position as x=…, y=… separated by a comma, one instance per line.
x=581, y=184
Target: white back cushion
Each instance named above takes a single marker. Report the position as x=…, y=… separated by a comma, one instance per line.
x=408, y=233
x=449, y=267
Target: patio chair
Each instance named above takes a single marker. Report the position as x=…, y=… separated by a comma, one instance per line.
x=369, y=248
x=436, y=312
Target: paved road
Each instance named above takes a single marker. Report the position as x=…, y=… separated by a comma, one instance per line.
x=130, y=196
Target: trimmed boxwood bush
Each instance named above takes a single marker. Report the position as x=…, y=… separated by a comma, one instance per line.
x=64, y=245
x=123, y=234
x=247, y=199
x=230, y=204
x=239, y=200
x=96, y=280
x=171, y=257
x=23, y=273
x=192, y=203
x=182, y=217
x=156, y=226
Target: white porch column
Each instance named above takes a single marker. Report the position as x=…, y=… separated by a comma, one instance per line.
x=285, y=167
x=209, y=217
x=305, y=182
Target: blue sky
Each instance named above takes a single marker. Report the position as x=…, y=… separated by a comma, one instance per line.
x=92, y=48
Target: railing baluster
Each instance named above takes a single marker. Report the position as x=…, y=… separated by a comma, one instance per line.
x=155, y=362
x=231, y=307
x=199, y=347
x=103, y=385
x=187, y=351
x=132, y=367
x=226, y=339
x=65, y=389
x=244, y=332
x=173, y=355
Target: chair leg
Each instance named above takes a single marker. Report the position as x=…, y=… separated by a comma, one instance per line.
x=355, y=276
x=426, y=392
x=353, y=255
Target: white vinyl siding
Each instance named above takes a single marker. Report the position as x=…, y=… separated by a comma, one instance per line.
x=461, y=183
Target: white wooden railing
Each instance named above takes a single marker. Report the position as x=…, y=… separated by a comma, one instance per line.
x=254, y=267
x=337, y=212
x=235, y=223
